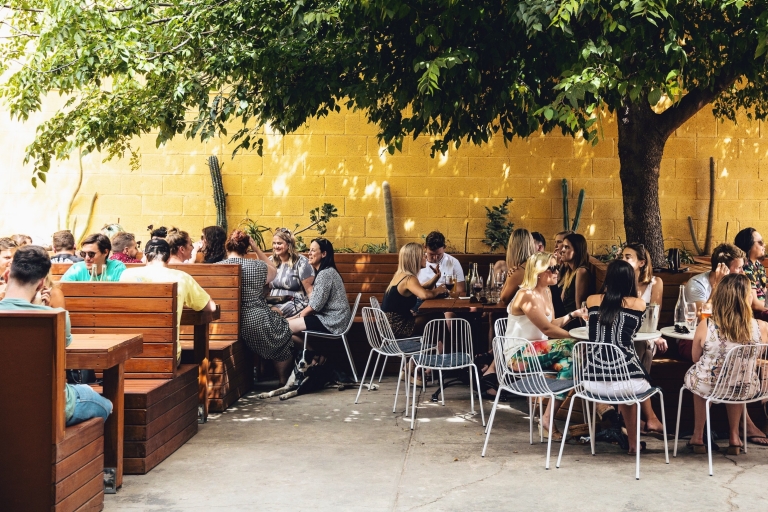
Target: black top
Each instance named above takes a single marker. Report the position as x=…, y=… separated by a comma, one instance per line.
x=395, y=302
x=621, y=333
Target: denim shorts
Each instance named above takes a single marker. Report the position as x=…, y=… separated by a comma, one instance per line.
x=88, y=404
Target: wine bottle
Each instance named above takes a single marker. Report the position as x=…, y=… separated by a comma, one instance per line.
x=680, y=308
x=477, y=282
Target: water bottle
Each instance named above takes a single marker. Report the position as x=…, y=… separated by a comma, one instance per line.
x=680, y=309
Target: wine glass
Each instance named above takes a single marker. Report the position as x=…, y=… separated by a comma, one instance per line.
x=690, y=315
x=584, y=311
x=706, y=310
x=450, y=281
x=501, y=277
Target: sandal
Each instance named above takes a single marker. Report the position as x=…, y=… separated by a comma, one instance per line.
x=701, y=448
x=758, y=440
x=556, y=435
x=734, y=449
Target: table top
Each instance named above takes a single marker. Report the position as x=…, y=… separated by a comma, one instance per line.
x=582, y=333
x=458, y=305
x=670, y=332
x=192, y=317
x=102, y=351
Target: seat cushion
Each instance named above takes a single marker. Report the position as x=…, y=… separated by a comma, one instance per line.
x=443, y=360
x=534, y=385
x=409, y=347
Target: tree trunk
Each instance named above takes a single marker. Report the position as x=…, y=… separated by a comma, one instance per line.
x=641, y=146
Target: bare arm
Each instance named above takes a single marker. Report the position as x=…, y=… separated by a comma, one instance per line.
x=307, y=283
x=512, y=284
x=413, y=286
x=535, y=313
x=763, y=327
x=582, y=286
x=697, y=349
x=757, y=304
x=211, y=306
x=657, y=291
x=271, y=269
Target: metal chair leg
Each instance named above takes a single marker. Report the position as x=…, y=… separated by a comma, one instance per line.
x=709, y=438
x=349, y=355
x=664, y=427
x=362, y=381
x=637, y=443
x=490, y=424
x=479, y=395
x=567, y=422
x=382, y=368
x=677, y=424
x=397, y=390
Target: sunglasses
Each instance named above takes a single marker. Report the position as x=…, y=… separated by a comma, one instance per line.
x=90, y=254
x=553, y=269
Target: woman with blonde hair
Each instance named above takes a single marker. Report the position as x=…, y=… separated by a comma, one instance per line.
x=404, y=289
x=731, y=325
x=521, y=246
x=531, y=317
x=295, y=276
x=181, y=246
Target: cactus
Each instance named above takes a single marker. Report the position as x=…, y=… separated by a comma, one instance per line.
x=219, y=197
x=389, y=215
x=579, y=205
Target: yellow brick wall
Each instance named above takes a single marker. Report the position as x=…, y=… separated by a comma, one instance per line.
x=338, y=160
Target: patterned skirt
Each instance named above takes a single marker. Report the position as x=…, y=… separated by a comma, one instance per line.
x=402, y=326
x=552, y=355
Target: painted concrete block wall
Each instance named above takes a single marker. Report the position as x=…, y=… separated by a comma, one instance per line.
x=338, y=160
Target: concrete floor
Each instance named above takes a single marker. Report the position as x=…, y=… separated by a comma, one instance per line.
x=323, y=452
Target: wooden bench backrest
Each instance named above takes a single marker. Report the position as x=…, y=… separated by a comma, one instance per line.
x=33, y=345
x=135, y=308
x=222, y=282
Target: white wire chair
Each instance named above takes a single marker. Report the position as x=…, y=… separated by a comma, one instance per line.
x=610, y=372
x=382, y=341
x=342, y=336
x=500, y=326
x=526, y=380
x=447, y=345
x=375, y=304
x=741, y=381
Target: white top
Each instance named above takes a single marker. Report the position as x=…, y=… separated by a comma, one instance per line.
x=698, y=288
x=646, y=296
x=448, y=265
x=519, y=326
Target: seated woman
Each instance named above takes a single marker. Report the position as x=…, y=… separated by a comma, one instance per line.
x=576, y=280
x=615, y=316
x=732, y=324
x=404, y=289
x=650, y=289
x=264, y=331
x=531, y=318
x=328, y=309
x=294, y=274
x=211, y=245
x=521, y=246
x=181, y=246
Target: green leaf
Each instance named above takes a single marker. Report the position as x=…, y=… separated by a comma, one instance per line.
x=654, y=96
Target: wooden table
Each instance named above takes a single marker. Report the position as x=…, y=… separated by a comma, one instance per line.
x=108, y=353
x=201, y=340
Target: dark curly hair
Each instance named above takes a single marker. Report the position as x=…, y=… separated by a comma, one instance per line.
x=238, y=242
x=214, y=237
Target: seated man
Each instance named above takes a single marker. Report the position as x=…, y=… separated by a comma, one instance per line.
x=25, y=278
x=125, y=248
x=96, y=267
x=190, y=293
x=434, y=247
x=64, y=246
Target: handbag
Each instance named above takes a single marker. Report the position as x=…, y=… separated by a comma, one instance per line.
x=81, y=376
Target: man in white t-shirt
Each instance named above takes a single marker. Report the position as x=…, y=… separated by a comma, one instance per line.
x=437, y=257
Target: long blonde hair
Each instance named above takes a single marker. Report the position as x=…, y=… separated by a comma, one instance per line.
x=409, y=260
x=537, y=264
x=520, y=247
x=290, y=242
x=732, y=308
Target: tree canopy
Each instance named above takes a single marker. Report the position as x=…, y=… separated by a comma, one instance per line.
x=461, y=70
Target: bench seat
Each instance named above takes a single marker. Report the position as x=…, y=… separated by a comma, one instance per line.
x=230, y=371
x=78, y=469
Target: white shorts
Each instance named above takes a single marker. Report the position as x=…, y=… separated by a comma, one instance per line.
x=611, y=389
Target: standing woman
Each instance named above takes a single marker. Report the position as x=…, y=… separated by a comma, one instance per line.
x=264, y=331
x=576, y=280
x=181, y=246
x=521, y=246
x=405, y=288
x=328, y=309
x=211, y=244
x=294, y=274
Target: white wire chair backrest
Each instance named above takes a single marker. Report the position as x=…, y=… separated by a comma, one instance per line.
x=603, y=364
x=451, y=337
x=514, y=363
x=375, y=302
x=500, y=327
x=744, y=374
x=371, y=329
x=354, y=312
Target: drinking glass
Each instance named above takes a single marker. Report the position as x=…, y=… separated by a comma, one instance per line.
x=450, y=281
x=501, y=277
x=706, y=310
x=690, y=315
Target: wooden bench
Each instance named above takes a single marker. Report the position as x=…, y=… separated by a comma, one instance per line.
x=160, y=396
x=45, y=465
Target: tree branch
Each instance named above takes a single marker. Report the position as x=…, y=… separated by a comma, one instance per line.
x=692, y=102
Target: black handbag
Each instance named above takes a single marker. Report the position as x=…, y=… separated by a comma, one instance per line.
x=81, y=376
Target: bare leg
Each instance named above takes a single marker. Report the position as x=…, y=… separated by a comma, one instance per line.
x=699, y=419
x=548, y=411
x=753, y=431
x=629, y=413
x=735, y=412
x=651, y=420
x=283, y=369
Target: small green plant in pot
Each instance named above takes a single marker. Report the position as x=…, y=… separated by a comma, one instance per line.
x=498, y=229
x=255, y=230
